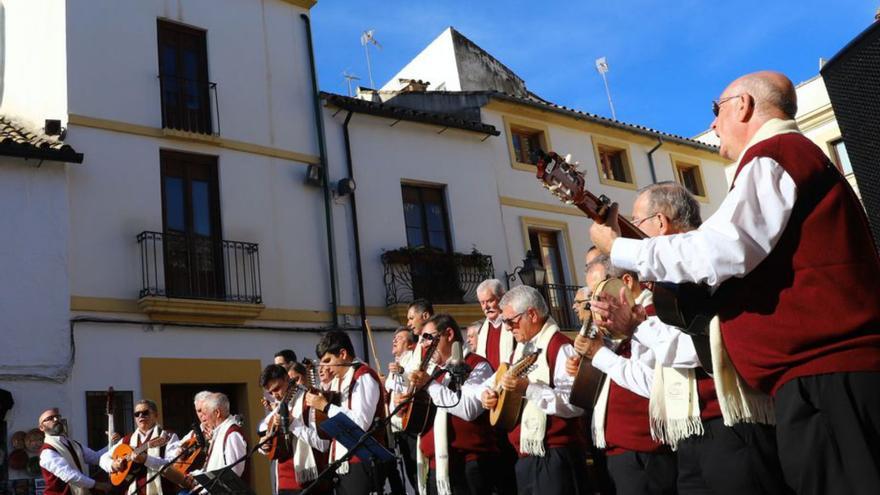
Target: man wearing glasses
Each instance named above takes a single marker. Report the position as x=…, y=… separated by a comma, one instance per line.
x=549, y=438
x=776, y=254
x=146, y=415
x=64, y=461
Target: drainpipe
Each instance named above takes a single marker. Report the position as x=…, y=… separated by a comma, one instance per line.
x=322, y=150
x=651, y=160
x=362, y=305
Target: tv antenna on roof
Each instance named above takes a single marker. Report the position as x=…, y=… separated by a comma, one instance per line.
x=349, y=78
x=602, y=67
x=367, y=38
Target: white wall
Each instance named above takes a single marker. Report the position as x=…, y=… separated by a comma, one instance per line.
x=435, y=64
x=257, y=55
x=35, y=72
x=34, y=298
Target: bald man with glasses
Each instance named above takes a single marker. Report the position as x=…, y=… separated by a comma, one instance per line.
x=64, y=462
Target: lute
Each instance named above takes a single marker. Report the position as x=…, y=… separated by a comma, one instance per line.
x=510, y=404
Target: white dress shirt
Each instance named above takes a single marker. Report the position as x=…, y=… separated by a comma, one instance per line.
x=365, y=395
x=635, y=373
x=469, y=407
x=730, y=243
x=553, y=401
x=56, y=464
x=308, y=433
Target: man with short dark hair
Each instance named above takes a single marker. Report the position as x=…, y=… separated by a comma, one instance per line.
x=286, y=358
x=296, y=468
x=776, y=252
x=362, y=400
x=458, y=454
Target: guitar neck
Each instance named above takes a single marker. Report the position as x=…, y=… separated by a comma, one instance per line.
x=598, y=212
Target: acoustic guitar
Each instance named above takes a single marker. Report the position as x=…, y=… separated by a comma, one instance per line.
x=588, y=381
x=417, y=414
x=687, y=306
x=130, y=469
x=510, y=403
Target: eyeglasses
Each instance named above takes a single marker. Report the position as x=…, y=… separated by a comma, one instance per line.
x=54, y=417
x=429, y=337
x=716, y=104
x=640, y=221
x=515, y=319
x=142, y=414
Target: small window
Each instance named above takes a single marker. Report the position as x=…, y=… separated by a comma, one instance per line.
x=526, y=144
x=841, y=157
x=427, y=223
x=689, y=175
x=613, y=164
x=96, y=416
x=525, y=140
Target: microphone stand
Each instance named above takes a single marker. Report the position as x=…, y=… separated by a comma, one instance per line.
x=378, y=424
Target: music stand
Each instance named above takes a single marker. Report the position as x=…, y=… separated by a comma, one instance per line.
x=345, y=431
x=223, y=482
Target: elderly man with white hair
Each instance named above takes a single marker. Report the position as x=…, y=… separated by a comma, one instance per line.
x=494, y=342
x=227, y=437
x=548, y=437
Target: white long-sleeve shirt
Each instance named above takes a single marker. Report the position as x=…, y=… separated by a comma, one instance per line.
x=469, y=407
x=730, y=243
x=553, y=401
x=56, y=464
x=365, y=396
x=635, y=373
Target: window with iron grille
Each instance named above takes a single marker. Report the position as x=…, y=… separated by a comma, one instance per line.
x=183, y=78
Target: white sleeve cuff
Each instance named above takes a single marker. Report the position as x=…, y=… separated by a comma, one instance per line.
x=604, y=359
x=625, y=253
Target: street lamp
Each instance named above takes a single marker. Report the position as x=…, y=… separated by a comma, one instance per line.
x=531, y=272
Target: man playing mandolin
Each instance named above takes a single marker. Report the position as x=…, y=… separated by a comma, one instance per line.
x=548, y=435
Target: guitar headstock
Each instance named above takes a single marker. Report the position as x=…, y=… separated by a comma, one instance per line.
x=567, y=183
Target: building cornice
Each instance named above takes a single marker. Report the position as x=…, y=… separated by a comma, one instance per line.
x=304, y=4
x=220, y=142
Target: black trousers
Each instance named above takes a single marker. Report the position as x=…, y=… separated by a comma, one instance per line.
x=828, y=432
x=469, y=478
x=640, y=473
x=406, y=444
x=559, y=472
x=362, y=478
x=725, y=460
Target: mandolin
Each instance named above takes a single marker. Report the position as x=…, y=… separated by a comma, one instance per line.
x=130, y=469
x=417, y=414
x=313, y=385
x=687, y=306
x=510, y=403
x=278, y=446
x=588, y=380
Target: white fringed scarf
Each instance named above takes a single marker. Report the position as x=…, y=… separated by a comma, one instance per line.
x=441, y=456
x=533, y=426
x=217, y=456
x=739, y=402
x=68, y=454
x=155, y=486
x=304, y=464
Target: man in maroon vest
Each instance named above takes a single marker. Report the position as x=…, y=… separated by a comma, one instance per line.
x=494, y=342
x=712, y=457
x=146, y=415
x=459, y=450
x=637, y=463
x=793, y=267
x=64, y=461
x=228, y=445
x=298, y=466
x=361, y=399
x=548, y=437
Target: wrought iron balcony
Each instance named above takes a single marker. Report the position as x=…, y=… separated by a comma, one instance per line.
x=187, y=105
x=442, y=278
x=194, y=267
x=560, y=299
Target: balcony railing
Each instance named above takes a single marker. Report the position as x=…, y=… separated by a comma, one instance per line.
x=195, y=267
x=560, y=299
x=187, y=105
x=442, y=278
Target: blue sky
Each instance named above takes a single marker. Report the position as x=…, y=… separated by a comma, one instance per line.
x=667, y=60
